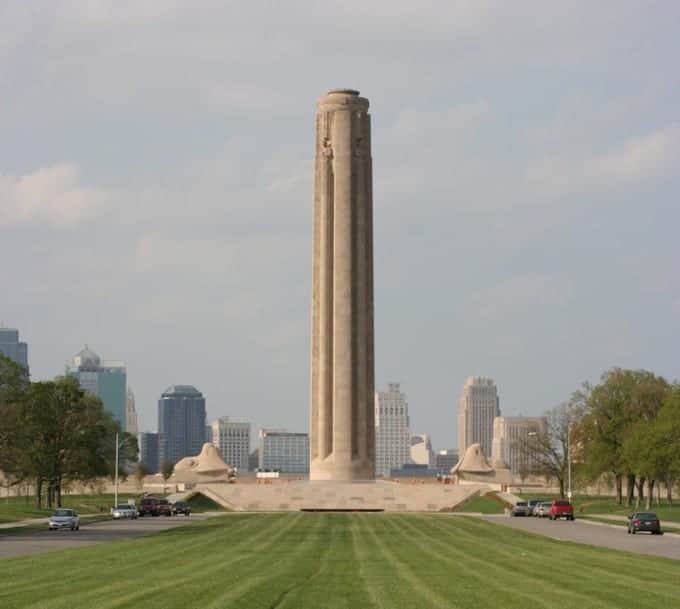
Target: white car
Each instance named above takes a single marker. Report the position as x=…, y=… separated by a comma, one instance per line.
x=64, y=519
x=124, y=510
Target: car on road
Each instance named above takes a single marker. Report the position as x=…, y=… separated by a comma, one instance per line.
x=164, y=507
x=542, y=510
x=64, y=519
x=533, y=504
x=521, y=508
x=561, y=508
x=149, y=507
x=644, y=521
x=181, y=507
x=124, y=510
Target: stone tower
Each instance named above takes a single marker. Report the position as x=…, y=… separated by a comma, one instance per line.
x=342, y=425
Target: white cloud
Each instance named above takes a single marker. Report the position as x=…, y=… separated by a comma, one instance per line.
x=51, y=195
x=638, y=159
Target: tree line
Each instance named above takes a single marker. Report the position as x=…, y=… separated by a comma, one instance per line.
x=53, y=433
x=625, y=427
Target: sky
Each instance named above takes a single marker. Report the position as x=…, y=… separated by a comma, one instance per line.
x=156, y=193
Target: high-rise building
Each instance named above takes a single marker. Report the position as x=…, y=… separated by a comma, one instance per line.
x=445, y=459
x=12, y=347
x=130, y=413
x=515, y=442
x=232, y=439
x=254, y=460
x=479, y=406
x=392, y=433
x=284, y=451
x=105, y=379
x=148, y=451
x=421, y=450
x=181, y=423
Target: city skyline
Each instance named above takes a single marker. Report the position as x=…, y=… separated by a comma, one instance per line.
x=156, y=202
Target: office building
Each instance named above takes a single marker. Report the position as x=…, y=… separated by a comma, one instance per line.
x=181, y=423
x=12, y=347
x=479, y=406
x=105, y=379
x=130, y=413
x=284, y=451
x=445, y=459
x=515, y=442
x=392, y=433
x=148, y=451
x=421, y=450
x=232, y=439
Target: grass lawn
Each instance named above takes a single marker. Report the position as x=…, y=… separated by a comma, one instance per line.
x=20, y=508
x=482, y=504
x=333, y=561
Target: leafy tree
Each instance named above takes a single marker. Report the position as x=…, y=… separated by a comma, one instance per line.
x=622, y=400
x=13, y=385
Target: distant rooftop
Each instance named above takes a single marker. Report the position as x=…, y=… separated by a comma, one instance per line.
x=182, y=390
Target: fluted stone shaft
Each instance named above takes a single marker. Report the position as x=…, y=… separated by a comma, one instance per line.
x=342, y=426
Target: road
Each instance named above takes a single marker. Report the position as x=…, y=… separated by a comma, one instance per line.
x=34, y=541
x=595, y=534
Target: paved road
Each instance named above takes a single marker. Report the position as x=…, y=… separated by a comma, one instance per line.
x=37, y=541
x=595, y=534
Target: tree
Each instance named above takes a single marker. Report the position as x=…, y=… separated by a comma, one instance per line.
x=549, y=448
x=621, y=400
x=141, y=471
x=167, y=468
x=13, y=384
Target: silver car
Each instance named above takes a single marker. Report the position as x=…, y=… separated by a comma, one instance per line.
x=542, y=510
x=521, y=508
x=124, y=510
x=64, y=519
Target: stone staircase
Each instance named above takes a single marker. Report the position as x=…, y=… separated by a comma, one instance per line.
x=369, y=496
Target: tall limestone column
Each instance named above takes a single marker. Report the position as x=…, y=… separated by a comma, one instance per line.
x=342, y=426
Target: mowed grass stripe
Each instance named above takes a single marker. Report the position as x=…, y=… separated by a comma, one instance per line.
x=133, y=562
x=504, y=563
x=458, y=553
x=339, y=561
x=195, y=544
x=630, y=576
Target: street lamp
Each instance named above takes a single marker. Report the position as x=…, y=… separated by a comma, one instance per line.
x=569, y=461
x=115, y=484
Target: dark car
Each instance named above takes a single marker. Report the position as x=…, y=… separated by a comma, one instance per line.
x=182, y=507
x=164, y=507
x=644, y=521
x=149, y=507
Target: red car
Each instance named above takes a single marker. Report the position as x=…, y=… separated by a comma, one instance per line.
x=561, y=508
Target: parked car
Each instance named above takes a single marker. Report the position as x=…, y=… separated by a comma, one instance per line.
x=521, y=508
x=149, y=506
x=164, y=507
x=561, y=508
x=533, y=504
x=182, y=507
x=64, y=519
x=542, y=510
x=644, y=521
x=124, y=510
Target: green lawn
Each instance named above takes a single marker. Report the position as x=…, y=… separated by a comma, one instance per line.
x=20, y=508
x=333, y=561
x=482, y=504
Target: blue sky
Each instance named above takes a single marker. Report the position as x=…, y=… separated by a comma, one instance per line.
x=155, y=193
